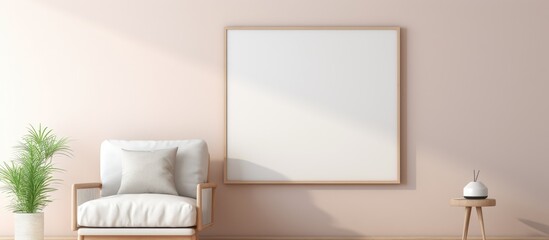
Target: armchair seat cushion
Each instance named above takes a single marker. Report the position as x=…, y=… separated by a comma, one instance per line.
x=138, y=210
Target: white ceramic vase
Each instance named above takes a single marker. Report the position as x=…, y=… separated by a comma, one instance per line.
x=29, y=226
x=475, y=190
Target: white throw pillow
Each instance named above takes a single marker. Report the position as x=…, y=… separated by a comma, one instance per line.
x=148, y=172
x=191, y=163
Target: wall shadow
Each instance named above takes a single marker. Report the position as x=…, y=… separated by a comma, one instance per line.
x=543, y=228
x=270, y=210
x=407, y=147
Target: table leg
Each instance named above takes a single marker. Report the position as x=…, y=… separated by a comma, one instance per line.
x=481, y=220
x=466, y=223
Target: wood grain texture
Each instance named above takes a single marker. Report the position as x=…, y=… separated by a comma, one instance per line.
x=312, y=28
x=481, y=221
x=74, y=199
x=466, y=223
x=199, y=188
x=462, y=202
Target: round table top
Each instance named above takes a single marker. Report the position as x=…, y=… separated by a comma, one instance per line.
x=462, y=202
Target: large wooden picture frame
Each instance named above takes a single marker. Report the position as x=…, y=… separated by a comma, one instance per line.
x=312, y=105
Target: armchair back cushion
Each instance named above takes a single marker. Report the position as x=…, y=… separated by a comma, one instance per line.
x=191, y=163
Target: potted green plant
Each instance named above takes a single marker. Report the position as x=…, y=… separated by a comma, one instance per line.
x=28, y=180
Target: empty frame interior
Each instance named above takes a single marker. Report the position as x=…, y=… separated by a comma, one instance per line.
x=312, y=105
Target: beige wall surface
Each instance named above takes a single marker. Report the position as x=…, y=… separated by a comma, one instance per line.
x=475, y=78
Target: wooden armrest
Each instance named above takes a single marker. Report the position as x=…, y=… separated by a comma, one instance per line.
x=207, y=185
x=200, y=187
x=86, y=185
x=74, y=203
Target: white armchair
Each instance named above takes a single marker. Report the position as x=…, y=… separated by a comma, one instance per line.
x=150, y=189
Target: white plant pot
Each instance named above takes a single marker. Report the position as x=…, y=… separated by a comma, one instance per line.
x=29, y=226
x=475, y=190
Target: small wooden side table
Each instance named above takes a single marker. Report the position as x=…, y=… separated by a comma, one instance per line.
x=469, y=204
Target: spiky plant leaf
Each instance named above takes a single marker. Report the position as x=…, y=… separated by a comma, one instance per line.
x=29, y=178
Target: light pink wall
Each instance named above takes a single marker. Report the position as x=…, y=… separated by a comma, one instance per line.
x=475, y=78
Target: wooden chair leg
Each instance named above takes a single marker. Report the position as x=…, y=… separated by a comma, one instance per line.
x=481, y=221
x=194, y=236
x=466, y=223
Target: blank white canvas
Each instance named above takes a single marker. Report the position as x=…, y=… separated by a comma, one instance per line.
x=312, y=106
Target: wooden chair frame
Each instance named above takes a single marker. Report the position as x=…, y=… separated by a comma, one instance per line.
x=199, y=225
